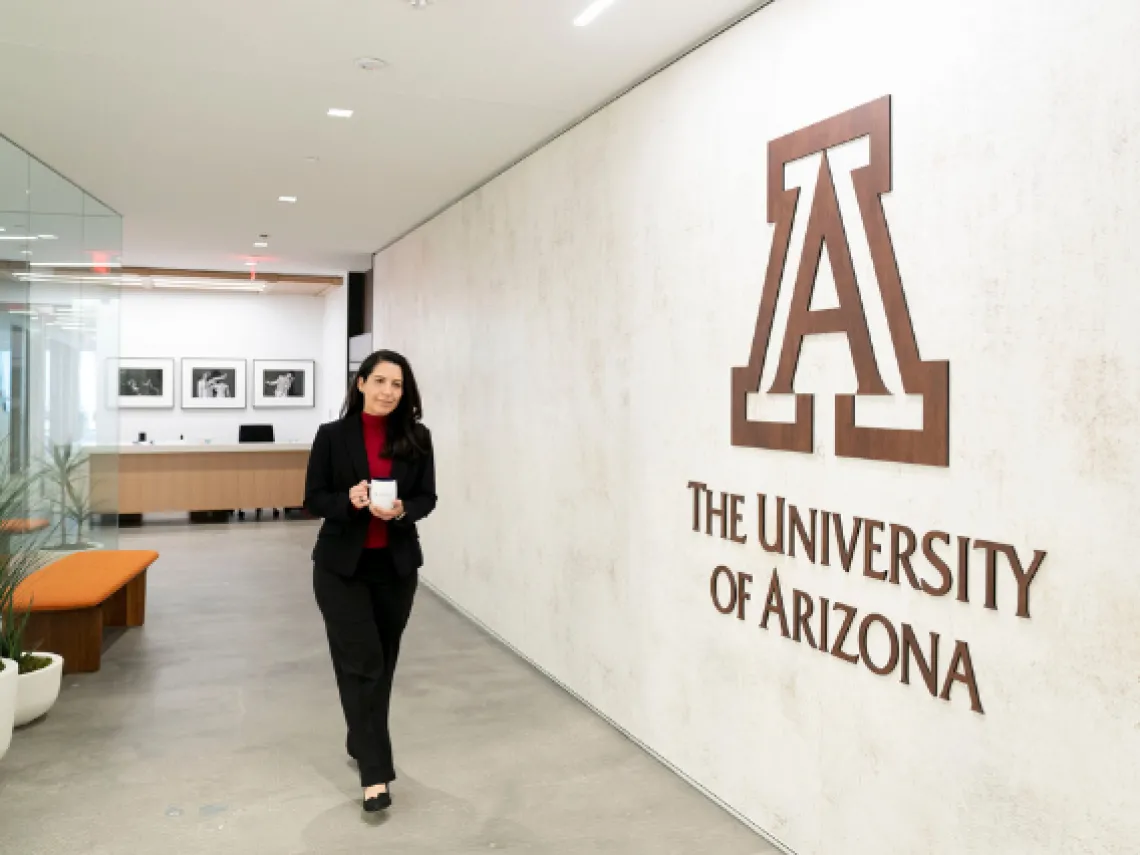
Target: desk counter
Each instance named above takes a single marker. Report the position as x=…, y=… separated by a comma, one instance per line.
x=196, y=447
x=159, y=477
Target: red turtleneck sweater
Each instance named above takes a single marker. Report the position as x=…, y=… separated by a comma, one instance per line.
x=378, y=468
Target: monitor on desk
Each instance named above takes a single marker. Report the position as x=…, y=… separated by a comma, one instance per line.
x=255, y=433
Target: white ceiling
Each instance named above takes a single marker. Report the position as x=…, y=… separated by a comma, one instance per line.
x=191, y=118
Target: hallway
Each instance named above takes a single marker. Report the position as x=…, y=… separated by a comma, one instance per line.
x=216, y=728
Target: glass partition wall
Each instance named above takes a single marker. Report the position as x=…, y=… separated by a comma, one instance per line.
x=59, y=328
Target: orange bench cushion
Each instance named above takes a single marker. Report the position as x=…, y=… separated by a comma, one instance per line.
x=22, y=526
x=82, y=579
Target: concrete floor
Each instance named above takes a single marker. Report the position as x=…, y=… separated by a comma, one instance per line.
x=216, y=728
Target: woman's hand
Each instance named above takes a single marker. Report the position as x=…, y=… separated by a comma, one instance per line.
x=387, y=515
x=358, y=495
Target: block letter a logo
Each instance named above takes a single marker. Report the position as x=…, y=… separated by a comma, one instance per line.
x=931, y=380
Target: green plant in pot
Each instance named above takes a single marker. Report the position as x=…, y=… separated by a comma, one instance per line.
x=14, y=622
x=18, y=560
x=13, y=503
x=38, y=674
x=65, y=471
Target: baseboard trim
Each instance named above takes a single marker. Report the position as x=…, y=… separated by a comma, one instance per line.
x=458, y=609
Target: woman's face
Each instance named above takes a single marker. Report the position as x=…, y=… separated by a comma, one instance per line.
x=382, y=389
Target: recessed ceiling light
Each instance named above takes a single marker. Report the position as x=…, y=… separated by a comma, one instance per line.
x=19, y=237
x=591, y=12
x=251, y=264
x=418, y=4
x=260, y=244
x=287, y=199
x=340, y=113
x=26, y=251
x=371, y=63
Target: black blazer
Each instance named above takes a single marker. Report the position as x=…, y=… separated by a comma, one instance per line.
x=339, y=462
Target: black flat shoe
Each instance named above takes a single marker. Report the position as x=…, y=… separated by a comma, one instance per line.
x=383, y=801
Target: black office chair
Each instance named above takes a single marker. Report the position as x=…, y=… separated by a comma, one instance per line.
x=256, y=433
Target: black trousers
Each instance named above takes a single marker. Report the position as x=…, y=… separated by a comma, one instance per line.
x=365, y=615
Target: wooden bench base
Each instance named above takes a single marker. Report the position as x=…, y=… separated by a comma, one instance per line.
x=77, y=634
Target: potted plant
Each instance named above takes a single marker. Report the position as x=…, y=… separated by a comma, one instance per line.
x=38, y=675
x=65, y=469
x=8, y=677
x=33, y=678
x=9, y=670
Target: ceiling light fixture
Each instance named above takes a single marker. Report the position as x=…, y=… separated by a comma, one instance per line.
x=591, y=12
x=260, y=244
x=340, y=113
x=371, y=63
x=251, y=264
x=418, y=4
x=207, y=285
x=287, y=199
x=18, y=237
x=80, y=264
x=48, y=237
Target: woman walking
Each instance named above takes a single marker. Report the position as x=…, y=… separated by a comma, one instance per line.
x=367, y=556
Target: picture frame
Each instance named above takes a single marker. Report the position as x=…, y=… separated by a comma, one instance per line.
x=214, y=384
x=281, y=383
x=138, y=383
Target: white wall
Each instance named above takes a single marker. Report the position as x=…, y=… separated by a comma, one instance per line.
x=237, y=326
x=332, y=365
x=574, y=325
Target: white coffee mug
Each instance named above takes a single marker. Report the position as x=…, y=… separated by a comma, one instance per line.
x=382, y=494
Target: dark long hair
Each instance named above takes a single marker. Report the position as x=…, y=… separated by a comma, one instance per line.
x=406, y=437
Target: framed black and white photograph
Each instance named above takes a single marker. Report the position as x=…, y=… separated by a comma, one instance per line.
x=213, y=384
x=284, y=382
x=136, y=383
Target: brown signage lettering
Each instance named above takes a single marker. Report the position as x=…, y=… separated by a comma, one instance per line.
x=807, y=541
x=714, y=589
x=900, y=558
x=775, y=606
x=871, y=549
x=929, y=669
x=802, y=608
x=928, y=446
x=904, y=650
x=735, y=518
x=778, y=545
x=798, y=530
x=937, y=563
x=848, y=618
x=962, y=671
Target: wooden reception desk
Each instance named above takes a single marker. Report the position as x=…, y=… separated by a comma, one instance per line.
x=140, y=479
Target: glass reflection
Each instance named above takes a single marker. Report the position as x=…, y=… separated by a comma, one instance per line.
x=59, y=301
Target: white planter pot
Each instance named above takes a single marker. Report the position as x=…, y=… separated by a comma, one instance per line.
x=36, y=692
x=8, y=678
